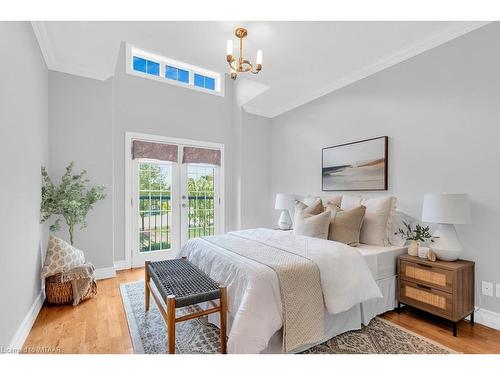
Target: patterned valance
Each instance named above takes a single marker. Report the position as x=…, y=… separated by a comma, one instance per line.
x=201, y=155
x=152, y=150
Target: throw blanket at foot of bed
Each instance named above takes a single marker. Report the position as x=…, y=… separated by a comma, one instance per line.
x=300, y=287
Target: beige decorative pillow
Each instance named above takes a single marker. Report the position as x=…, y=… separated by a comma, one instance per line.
x=312, y=225
x=315, y=208
x=345, y=226
x=61, y=257
x=337, y=201
x=350, y=201
x=377, y=225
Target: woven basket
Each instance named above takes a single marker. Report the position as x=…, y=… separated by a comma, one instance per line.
x=58, y=293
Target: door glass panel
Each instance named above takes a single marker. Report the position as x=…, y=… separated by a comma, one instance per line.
x=201, y=193
x=155, y=209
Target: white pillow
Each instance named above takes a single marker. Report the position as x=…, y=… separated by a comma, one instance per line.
x=309, y=200
x=349, y=202
x=61, y=257
x=397, y=222
x=377, y=224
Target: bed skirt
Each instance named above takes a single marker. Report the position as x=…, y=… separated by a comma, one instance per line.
x=336, y=324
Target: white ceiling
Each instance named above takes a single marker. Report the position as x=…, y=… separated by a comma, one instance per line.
x=302, y=60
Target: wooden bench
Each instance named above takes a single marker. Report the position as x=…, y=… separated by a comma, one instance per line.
x=178, y=283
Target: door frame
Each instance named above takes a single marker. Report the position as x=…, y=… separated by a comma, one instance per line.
x=132, y=136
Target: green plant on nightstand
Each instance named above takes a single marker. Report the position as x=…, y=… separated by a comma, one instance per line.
x=416, y=235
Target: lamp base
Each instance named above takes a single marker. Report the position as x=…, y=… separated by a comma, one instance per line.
x=447, y=247
x=285, y=221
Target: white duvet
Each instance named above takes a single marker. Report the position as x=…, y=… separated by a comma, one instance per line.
x=254, y=300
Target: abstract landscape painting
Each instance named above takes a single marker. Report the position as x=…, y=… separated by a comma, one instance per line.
x=358, y=165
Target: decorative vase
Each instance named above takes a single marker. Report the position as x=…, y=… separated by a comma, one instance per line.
x=413, y=248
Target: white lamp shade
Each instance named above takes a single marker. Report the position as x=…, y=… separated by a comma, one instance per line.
x=446, y=209
x=284, y=201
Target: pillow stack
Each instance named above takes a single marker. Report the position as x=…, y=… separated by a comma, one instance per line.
x=348, y=219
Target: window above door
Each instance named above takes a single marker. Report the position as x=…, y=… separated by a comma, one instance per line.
x=149, y=65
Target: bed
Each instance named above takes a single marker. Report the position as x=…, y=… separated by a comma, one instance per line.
x=357, y=284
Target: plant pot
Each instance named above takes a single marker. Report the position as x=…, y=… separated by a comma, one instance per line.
x=413, y=248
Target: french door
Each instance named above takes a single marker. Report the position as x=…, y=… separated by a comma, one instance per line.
x=172, y=203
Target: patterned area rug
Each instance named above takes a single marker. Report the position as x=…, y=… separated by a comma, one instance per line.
x=197, y=336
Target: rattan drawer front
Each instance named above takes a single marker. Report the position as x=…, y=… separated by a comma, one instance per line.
x=436, y=277
x=429, y=299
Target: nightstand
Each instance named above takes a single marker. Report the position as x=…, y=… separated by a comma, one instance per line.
x=441, y=288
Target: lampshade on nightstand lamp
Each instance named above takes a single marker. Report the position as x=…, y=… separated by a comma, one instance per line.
x=446, y=210
x=284, y=202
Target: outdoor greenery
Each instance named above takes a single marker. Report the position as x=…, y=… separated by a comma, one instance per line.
x=419, y=234
x=72, y=199
x=155, y=206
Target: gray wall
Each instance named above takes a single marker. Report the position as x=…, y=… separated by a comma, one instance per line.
x=441, y=111
x=146, y=106
x=256, y=196
x=23, y=131
x=80, y=131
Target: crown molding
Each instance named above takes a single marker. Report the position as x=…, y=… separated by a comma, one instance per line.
x=51, y=61
x=43, y=39
x=456, y=30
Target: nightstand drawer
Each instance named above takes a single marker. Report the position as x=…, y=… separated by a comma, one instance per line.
x=426, y=298
x=431, y=276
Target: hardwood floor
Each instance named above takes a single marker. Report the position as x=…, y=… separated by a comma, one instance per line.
x=99, y=325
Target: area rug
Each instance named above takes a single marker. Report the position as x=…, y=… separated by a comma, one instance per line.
x=197, y=336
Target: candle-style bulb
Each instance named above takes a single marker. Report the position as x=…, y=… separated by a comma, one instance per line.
x=229, y=48
x=259, y=57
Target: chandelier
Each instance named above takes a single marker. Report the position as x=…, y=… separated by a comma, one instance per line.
x=241, y=65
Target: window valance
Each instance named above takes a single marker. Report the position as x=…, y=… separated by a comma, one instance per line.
x=152, y=150
x=201, y=156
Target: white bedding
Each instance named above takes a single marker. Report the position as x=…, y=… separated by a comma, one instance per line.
x=253, y=288
x=381, y=260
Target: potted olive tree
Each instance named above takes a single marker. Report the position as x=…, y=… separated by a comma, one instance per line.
x=72, y=199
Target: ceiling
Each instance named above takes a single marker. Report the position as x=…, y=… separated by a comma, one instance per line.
x=302, y=60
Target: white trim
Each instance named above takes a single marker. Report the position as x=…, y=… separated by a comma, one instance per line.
x=43, y=38
x=44, y=42
x=457, y=29
x=24, y=329
x=129, y=137
x=487, y=318
x=104, y=273
x=122, y=265
x=131, y=50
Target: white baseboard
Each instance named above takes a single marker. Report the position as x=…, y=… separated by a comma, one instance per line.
x=104, y=273
x=122, y=265
x=17, y=342
x=487, y=318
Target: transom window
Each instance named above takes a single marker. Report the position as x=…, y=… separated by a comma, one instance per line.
x=177, y=74
x=146, y=66
x=152, y=66
x=202, y=81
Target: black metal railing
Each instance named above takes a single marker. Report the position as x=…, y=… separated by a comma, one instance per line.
x=155, y=210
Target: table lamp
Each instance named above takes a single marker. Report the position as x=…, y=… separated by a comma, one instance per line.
x=284, y=202
x=446, y=210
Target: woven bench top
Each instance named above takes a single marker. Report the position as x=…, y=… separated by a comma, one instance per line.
x=182, y=279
